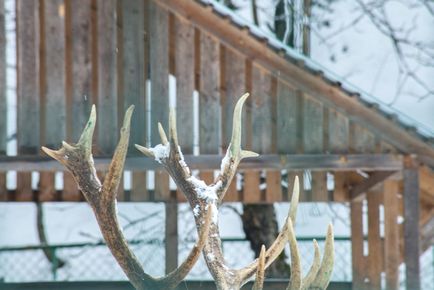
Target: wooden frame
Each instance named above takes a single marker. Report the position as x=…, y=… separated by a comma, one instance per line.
x=315, y=162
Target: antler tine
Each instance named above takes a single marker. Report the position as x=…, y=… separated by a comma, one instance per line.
x=102, y=198
x=279, y=243
x=234, y=153
x=325, y=271
x=260, y=273
x=295, y=280
x=173, y=133
x=176, y=276
x=308, y=279
x=114, y=175
x=163, y=136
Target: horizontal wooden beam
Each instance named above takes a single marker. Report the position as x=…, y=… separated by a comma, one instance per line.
x=315, y=162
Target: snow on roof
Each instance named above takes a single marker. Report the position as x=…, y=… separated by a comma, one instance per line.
x=401, y=118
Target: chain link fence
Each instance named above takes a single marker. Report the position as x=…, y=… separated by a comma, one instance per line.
x=84, y=262
x=94, y=262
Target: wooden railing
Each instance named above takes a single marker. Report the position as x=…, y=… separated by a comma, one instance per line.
x=113, y=54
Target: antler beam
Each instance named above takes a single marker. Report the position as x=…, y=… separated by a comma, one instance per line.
x=77, y=158
x=200, y=195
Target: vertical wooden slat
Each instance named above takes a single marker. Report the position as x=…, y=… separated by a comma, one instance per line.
x=341, y=191
x=3, y=107
x=361, y=140
x=358, y=259
x=209, y=99
x=273, y=192
x=54, y=73
x=286, y=131
x=375, y=257
x=78, y=78
x=250, y=178
x=411, y=224
x=184, y=72
x=81, y=66
x=234, y=84
x=391, y=234
x=53, y=102
x=134, y=68
x=338, y=140
x=339, y=143
x=313, y=137
x=159, y=63
x=171, y=236
x=107, y=82
x=28, y=89
x=286, y=119
x=261, y=126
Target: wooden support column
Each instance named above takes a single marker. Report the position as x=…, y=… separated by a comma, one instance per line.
x=375, y=259
x=411, y=224
x=391, y=234
x=358, y=259
x=171, y=236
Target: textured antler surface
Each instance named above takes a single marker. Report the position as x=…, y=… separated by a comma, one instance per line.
x=200, y=196
x=319, y=275
x=79, y=161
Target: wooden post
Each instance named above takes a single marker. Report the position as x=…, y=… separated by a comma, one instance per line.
x=375, y=258
x=391, y=234
x=171, y=236
x=358, y=260
x=411, y=224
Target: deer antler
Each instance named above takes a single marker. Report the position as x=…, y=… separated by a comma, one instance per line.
x=201, y=195
x=78, y=159
x=319, y=274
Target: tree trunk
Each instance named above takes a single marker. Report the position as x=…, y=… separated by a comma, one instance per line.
x=260, y=227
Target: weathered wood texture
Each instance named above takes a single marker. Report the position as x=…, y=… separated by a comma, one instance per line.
x=209, y=98
x=233, y=79
x=357, y=240
x=375, y=247
x=133, y=74
x=99, y=52
x=391, y=234
x=295, y=73
x=28, y=89
x=184, y=63
x=411, y=224
x=159, y=75
x=3, y=103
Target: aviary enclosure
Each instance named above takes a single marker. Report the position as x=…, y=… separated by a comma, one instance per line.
x=114, y=54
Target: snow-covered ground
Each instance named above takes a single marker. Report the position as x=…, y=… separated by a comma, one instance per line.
x=70, y=223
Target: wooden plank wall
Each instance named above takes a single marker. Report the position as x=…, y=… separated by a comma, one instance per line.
x=100, y=52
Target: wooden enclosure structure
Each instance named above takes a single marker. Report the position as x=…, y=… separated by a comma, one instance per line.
x=113, y=54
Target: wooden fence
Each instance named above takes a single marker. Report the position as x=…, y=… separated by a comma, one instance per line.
x=72, y=54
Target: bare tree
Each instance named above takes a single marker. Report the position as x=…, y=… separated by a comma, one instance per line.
x=204, y=201
x=413, y=54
